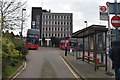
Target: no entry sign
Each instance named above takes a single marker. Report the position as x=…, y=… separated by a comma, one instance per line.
x=115, y=21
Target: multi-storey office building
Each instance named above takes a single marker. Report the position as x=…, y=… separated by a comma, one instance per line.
x=56, y=24
x=51, y=24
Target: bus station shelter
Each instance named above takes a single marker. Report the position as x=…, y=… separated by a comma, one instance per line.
x=93, y=40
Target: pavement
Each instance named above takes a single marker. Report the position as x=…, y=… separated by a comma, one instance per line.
x=86, y=70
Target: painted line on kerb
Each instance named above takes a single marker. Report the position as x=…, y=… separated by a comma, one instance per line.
x=19, y=71
x=71, y=70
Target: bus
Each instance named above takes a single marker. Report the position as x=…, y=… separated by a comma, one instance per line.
x=69, y=43
x=32, y=39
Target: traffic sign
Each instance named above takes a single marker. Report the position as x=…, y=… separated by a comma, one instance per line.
x=103, y=8
x=111, y=8
x=103, y=13
x=115, y=21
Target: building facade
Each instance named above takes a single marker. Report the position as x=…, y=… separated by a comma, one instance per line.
x=51, y=24
x=56, y=24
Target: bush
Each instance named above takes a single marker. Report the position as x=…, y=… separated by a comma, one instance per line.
x=22, y=49
x=14, y=62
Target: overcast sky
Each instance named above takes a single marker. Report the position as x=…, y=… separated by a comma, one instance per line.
x=82, y=10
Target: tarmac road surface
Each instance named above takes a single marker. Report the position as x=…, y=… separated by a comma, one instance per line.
x=45, y=63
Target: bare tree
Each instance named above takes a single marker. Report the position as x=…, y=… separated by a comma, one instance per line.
x=11, y=14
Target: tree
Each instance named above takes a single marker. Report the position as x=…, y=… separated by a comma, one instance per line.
x=11, y=14
x=52, y=40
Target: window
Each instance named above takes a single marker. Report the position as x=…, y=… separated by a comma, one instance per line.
x=55, y=22
x=46, y=29
x=64, y=35
x=67, y=23
x=61, y=35
x=58, y=23
x=49, y=28
x=46, y=35
x=43, y=29
x=64, y=23
x=52, y=28
x=61, y=23
x=43, y=35
x=61, y=29
x=49, y=35
x=45, y=16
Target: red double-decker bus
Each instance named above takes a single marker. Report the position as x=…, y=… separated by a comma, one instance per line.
x=32, y=39
x=69, y=43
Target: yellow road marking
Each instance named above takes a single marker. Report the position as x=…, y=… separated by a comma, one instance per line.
x=71, y=70
x=19, y=71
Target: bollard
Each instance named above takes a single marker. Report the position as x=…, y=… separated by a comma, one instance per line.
x=66, y=51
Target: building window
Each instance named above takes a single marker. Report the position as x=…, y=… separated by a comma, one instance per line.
x=52, y=29
x=58, y=23
x=49, y=35
x=61, y=23
x=46, y=29
x=64, y=23
x=43, y=35
x=46, y=35
x=64, y=35
x=58, y=35
x=67, y=23
x=43, y=29
x=55, y=22
x=61, y=35
x=61, y=29
x=49, y=28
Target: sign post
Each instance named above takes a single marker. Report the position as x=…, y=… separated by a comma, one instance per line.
x=115, y=10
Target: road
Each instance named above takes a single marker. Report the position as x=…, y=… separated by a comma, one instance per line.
x=45, y=63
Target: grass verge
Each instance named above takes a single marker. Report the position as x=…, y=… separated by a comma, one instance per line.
x=10, y=70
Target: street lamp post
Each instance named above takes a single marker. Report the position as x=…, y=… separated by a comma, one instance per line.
x=86, y=23
x=22, y=23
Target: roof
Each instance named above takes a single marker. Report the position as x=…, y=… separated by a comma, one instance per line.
x=91, y=30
